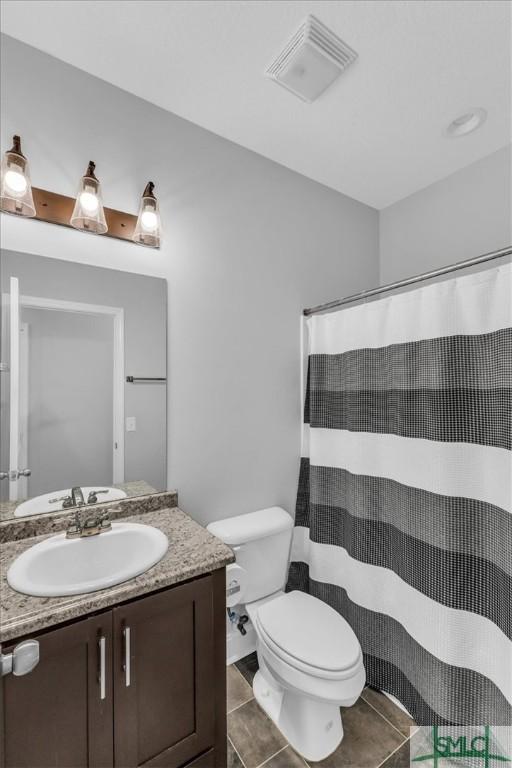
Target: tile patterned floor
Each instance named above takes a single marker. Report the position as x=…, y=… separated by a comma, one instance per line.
x=376, y=731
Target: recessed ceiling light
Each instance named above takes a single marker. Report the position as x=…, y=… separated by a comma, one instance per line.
x=466, y=123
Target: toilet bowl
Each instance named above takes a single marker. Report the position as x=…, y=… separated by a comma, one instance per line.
x=310, y=660
x=310, y=665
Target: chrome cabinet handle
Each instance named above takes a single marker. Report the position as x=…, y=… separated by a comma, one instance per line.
x=127, y=660
x=101, y=674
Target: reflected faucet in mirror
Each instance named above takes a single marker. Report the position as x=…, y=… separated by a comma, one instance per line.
x=73, y=499
x=69, y=498
x=76, y=497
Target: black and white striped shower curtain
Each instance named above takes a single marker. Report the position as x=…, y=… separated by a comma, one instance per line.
x=404, y=508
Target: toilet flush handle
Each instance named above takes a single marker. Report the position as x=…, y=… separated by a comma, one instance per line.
x=236, y=585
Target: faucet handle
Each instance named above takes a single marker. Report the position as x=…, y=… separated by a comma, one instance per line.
x=93, y=495
x=59, y=498
x=74, y=529
x=91, y=522
x=104, y=521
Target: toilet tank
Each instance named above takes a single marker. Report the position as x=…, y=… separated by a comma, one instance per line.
x=261, y=541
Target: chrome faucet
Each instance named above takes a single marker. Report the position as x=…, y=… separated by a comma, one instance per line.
x=91, y=526
x=77, y=497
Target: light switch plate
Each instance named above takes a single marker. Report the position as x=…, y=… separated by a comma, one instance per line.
x=131, y=424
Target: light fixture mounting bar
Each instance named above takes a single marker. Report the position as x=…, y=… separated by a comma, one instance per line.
x=57, y=209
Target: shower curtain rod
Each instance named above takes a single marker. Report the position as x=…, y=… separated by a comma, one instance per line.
x=409, y=281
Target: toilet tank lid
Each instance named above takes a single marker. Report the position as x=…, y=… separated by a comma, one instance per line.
x=251, y=526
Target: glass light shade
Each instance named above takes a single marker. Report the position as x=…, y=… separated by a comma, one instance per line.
x=148, y=230
x=88, y=214
x=16, y=189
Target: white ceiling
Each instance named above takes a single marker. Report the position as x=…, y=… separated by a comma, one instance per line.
x=376, y=135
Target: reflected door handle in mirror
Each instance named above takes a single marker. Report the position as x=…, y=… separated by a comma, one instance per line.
x=4, y=475
x=14, y=474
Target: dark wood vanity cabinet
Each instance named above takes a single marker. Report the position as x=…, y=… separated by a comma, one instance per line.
x=165, y=677
x=141, y=684
x=54, y=715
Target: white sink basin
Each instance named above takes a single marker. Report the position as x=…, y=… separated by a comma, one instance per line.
x=59, y=566
x=40, y=504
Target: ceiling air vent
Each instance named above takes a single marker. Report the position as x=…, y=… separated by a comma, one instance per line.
x=311, y=61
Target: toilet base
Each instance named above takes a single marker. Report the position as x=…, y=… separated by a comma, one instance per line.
x=313, y=728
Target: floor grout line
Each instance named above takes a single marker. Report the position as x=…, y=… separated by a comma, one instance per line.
x=249, y=682
x=271, y=756
x=238, y=706
x=393, y=752
x=385, y=718
x=237, y=752
x=234, y=666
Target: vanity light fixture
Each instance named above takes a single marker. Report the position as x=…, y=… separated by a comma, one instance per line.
x=16, y=189
x=88, y=214
x=85, y=212
x=148, y=230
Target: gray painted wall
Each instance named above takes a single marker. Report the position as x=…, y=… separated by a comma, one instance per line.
x=70, y=410
x=464, y=215
x=144, y=301
x=247, y=245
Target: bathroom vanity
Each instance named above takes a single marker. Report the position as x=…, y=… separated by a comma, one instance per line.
x=127, y=676
x=112, y=615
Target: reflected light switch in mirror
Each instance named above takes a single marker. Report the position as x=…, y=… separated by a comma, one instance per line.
x=131, y=424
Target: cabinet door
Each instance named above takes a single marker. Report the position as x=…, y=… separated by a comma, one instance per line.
x=164, y=677
x=60, y=714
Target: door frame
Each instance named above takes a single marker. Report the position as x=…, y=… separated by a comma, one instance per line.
x=117, y=315
x=24, y=359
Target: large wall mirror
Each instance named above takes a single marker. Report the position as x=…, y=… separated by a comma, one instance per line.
x=82, y=385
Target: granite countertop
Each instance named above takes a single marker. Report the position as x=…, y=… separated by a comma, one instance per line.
x=192, y=552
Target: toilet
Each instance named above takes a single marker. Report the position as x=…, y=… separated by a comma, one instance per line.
x=310, y=660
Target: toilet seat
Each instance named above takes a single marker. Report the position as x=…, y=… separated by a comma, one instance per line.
x=309, y=635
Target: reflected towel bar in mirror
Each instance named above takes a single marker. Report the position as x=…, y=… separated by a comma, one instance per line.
x=133, y=379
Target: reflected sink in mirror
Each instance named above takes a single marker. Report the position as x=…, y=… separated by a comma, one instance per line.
x=60, y=566
x=54, y=501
